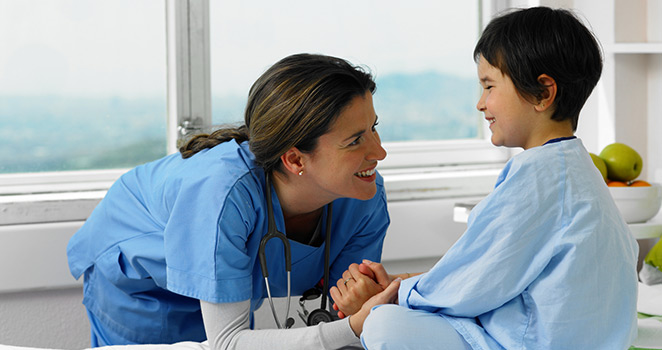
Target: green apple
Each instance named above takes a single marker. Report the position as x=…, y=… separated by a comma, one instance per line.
x=600, y=164
x=623, y=162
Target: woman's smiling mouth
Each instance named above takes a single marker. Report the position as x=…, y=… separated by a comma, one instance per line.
x=366, y=173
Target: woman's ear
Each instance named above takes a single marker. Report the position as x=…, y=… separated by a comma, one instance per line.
x=292, y=161
x=548, y=95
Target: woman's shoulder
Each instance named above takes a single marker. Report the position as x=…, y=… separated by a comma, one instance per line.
x=225, y=161
x=217, y=171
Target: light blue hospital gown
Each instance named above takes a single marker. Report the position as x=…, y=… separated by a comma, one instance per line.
x=175, y=231
x=546, y=261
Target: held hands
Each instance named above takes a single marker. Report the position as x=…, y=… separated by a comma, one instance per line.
x=388, y=296
x=358, y=285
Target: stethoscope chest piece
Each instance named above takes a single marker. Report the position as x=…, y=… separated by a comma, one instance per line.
x=319, y=316
x=316, y=316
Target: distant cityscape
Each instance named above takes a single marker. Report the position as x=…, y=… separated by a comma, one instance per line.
x=51, y=133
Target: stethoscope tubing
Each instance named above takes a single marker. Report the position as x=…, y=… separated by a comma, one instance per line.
x=272, y=232
x=271, y=302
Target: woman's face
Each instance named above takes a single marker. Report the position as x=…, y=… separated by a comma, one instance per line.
x=343, y=163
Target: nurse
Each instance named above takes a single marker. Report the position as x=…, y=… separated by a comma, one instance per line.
x=171, y=253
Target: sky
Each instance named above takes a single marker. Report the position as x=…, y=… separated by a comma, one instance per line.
x=97, y=48
x=387, y=36
x=82, y=47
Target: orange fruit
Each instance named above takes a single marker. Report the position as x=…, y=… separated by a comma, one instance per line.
x=639, y=183
x=616, y=184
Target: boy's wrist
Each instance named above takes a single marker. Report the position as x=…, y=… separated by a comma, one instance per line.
x=356, y=321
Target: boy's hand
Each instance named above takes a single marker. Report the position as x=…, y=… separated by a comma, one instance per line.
x=377, y=272
x=388, y=296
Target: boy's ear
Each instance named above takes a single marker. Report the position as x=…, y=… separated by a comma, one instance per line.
x=548, y=95
x=292, y=160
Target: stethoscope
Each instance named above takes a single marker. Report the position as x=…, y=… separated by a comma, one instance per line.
x=318, y=315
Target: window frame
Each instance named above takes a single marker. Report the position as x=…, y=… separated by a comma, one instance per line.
x=411, y=170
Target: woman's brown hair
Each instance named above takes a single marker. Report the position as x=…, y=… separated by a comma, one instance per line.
x=291, y=105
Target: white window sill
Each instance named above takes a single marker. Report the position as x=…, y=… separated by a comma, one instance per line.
x=52, y=197
x=440, y=183
x=26, y=204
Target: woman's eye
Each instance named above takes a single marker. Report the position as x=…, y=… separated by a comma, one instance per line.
x=356, y=141
x=374, y=126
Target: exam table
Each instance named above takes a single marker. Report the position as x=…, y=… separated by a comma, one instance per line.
x=649, y=301
x=177, y=346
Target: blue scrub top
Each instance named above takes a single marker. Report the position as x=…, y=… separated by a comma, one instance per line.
x=175, y=231
x=546, y=262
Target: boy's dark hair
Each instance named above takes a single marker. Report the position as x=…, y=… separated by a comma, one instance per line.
x=527, y=43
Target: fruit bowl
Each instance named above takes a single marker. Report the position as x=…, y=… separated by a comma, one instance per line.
x=637, y=204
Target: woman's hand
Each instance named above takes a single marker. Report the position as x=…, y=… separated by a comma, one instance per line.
x=352, y=290
x=359, y=283
x=388, y=296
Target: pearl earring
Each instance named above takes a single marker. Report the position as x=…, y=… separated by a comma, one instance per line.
x=301, y=173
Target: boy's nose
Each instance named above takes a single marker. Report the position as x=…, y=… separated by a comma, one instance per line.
x=481, y=104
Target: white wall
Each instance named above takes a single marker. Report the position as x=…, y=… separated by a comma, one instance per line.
x=51, y=318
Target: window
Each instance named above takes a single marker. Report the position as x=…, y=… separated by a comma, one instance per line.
x=419, y=51
x=83, y=84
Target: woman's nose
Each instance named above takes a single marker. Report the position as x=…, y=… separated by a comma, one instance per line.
x=377, y=152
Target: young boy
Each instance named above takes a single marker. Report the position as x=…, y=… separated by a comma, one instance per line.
x=546, y=262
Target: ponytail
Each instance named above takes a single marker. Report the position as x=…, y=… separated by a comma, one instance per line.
x=204, y=141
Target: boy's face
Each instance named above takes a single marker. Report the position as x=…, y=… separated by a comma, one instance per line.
x=512, y=118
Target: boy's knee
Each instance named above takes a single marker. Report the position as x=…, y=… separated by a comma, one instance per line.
x=383, y=316
x=381, y=327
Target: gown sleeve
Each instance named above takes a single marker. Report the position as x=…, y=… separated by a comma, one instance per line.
x=507, y=244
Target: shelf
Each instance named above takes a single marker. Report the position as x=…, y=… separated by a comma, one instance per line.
x=635, y=48
x=646, y=230
x=650, y=229
x=461, y=211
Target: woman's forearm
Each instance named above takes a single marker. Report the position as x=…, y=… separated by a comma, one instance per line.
x=227, y=327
